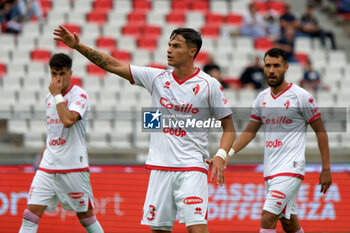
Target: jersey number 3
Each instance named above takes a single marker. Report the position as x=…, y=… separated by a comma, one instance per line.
x=152, y=209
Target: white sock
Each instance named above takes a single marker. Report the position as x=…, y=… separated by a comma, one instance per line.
x=301, y=230
x=262, y=230
x=28, y=227
x=94, y=228
x=91, y=224
x=30, y=222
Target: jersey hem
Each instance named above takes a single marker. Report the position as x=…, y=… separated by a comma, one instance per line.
x=180, y=169
x=300, y=176
x=63, y=171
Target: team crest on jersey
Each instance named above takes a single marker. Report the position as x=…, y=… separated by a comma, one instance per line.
x=195, y=89
x=264, y=104
x=167, y=84
x=286, y=104
x=311, y=100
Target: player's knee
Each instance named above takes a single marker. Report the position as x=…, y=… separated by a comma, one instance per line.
x=287, y=225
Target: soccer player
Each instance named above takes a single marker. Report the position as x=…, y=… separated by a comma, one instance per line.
x=284, y=110
x=177, y=158
x=63, y=174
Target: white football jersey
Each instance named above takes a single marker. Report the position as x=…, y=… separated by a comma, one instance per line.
x=285, y=118
x=199, y=96
x=65, y=147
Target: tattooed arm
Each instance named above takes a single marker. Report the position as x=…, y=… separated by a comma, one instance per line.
x=99, y=58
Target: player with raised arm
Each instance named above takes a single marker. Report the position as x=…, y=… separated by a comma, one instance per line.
x=178, y=179
x=63, y=174
x=285, y=110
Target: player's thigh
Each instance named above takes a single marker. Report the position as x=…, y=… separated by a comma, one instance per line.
x=42, y=191
x=159, y=209
x=191, y=196
x=74, y=191
x=281, y=195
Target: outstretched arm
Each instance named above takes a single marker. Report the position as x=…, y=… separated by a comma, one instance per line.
x=99, y=58
x=322, y=140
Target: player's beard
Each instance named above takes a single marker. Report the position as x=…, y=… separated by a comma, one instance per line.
x=277, y=82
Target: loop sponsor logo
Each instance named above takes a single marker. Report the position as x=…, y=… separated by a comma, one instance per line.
x=193, y=200
x=274, y=144
x=277, y=194
x=176, y=132
x=57, y=142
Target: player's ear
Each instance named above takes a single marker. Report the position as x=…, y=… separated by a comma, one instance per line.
x=286, y=66
x=193, y=52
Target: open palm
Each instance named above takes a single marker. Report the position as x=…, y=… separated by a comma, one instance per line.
x=62, y=34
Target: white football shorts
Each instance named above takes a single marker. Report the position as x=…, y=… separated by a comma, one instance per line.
x=281, y=195
x=72, y=190
x=172, y=192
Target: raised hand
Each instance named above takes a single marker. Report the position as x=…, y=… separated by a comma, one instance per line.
x=69, y=39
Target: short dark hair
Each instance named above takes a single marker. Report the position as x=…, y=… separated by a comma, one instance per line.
x=192, y=37
x=277, y=52
x=60, y=60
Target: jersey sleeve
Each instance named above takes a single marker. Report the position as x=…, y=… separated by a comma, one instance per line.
x=256, y=110
x=218, y=101
x=144, y=76
x=309, y=108
x=80, y=103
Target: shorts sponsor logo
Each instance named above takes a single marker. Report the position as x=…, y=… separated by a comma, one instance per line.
x=278, y=194
x=193, y=200
x=76, y=195
x=198, y=210
x=274, y=144
x=57, y=142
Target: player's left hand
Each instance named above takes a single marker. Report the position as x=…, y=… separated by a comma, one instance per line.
x=325, y=180
x=56, y=86
x=217, y=165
